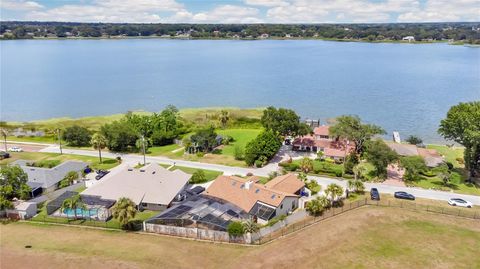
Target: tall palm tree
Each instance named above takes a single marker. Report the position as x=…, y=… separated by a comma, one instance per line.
x=317, y=205
x=224, y=118
x=4, y=133
x=73, y=203
x=359, y=171
x=306, y=164
x=355, y=185
x=124, y=210
x=99, y=142
x=334, y=191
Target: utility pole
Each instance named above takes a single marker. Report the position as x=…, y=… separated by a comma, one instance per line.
x=143, y=147
x=59, y=141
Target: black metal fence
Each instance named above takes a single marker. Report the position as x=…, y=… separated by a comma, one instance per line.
x=289, y=228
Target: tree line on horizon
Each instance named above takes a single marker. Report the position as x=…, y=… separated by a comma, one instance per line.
x=468, y=32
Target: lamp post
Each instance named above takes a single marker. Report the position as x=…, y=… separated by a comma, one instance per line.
x=59, y=141
x=143, y=148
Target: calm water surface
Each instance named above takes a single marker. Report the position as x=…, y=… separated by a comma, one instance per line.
x=402, y=87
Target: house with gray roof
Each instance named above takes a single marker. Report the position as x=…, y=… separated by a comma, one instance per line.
x=42, y=179
x=150, y=187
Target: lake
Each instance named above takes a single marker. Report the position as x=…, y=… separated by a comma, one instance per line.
x=403, y=87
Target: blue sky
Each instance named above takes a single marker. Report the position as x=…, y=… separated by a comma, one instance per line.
x=241, y=11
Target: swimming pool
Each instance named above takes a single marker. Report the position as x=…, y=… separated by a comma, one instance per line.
x=81, y=212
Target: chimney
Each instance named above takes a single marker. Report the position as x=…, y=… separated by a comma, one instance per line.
x=248, y=184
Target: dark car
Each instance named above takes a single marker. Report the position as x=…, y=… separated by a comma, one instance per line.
x=404, y=195
x=101, y=173
x=4, y=155
x=374, y=194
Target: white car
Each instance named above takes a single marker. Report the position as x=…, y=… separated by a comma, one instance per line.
x=459, y=202
x=15, y=149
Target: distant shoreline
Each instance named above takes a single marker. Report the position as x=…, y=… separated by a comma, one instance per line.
x=244, y=39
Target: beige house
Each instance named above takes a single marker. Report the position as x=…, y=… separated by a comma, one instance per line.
x=151, y=187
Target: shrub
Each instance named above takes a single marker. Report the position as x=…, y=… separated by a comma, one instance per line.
x=338, y=173
x=460, y=160
x=350, y=162
x=258, y=163
x=200, y=154
x=414, y=140
x=449, y=165
x=198, y=177
x=313, y=186
x=276, y=219
x=238, y=153
x=235, y=228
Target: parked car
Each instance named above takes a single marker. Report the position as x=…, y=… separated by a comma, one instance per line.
x=459, y=202
x=4, y=155
x=15, y=149
x=404, y=195
x=374, y=194
x=101, y=173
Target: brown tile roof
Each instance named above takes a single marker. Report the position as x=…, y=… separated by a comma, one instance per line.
x=288, y=183
x=322, y=130
x=233, y=189
x=306, y=141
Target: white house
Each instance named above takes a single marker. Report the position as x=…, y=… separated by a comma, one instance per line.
x=409, y=38
x=22, y=210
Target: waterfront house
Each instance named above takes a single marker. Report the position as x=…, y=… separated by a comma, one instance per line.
x=321, y=141
x=431, y=156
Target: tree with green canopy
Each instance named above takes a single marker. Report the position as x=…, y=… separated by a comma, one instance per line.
x=413, y=165
x=68, y=180
x=13, y=184
x=334, y=191
x=316, y=206
x=380, y=156
x=351, y=128
x=284, y=122
x=462, y=125
x=124, y=211
x=306, y=165
x=77, y=136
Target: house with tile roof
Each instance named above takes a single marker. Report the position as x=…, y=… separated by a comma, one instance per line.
x=262, y=202
x=321, y=141
x=431, y=156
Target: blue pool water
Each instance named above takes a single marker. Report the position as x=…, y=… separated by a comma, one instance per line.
x=81, y=212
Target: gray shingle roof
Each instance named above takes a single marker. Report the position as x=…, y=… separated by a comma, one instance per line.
x=48, y=177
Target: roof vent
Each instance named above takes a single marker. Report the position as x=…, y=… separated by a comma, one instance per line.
x=257, y=190
x=273, y=196
x=153, y=172
x=130, y=169
x=142, y=170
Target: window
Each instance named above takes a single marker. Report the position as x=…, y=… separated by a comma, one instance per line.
x=293, y=204
x=281, y=206
x=144, y=204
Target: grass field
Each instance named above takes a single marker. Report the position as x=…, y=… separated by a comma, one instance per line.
x=451, y=154
x=369, y=237
x=57, y=157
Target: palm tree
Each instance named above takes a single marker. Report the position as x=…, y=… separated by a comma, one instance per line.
x=224, y=118
x=355, y=185
x=250, y=226
x=317, y=205
x=99, y=142
x=124, y=210
x=306, y=164
x=359, y=171
x=334, y=191
x=73, y=203
x=4, y=133
x=68, y=179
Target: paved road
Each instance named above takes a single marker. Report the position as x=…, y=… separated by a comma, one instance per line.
x=383, y=188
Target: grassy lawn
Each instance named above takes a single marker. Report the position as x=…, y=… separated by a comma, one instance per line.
x=209, y=174
x=37, y=139
x=241, y=137
x=58, y=158
x=451, y=154
x=163, y=150
x=369, y=237
x=456, y=184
